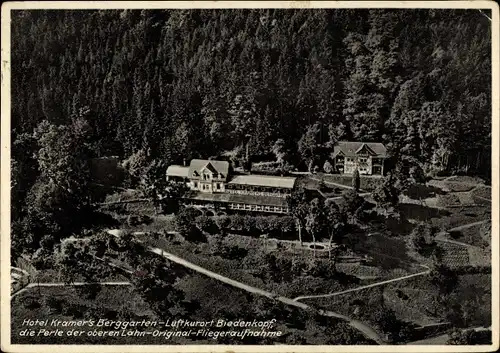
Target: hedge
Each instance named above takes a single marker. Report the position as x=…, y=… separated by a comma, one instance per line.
x=259, y=224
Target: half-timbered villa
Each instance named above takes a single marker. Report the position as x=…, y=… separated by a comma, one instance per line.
x=367, y=157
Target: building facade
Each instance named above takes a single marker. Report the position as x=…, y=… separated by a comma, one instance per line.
x=216, y=186
x=367, y=157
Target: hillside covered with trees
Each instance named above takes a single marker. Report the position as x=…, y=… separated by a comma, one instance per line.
x=181, y=84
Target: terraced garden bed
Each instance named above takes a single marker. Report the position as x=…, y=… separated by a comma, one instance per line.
x=460, y=216
x=454, y=256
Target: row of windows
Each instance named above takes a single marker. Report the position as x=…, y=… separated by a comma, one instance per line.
x=207, y=176
x=359, y=159
x=218, y=186
x=256, y=193
x=256, y=188
x=240, y=206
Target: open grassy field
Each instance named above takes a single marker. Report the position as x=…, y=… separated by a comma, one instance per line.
x=470, y=235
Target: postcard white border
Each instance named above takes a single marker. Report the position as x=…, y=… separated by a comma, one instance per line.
x=5, y=171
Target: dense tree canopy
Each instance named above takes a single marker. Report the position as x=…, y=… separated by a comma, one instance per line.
x=180, y=81
x=176, y=84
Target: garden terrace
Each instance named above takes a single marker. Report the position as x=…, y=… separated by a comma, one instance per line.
x=245, y=259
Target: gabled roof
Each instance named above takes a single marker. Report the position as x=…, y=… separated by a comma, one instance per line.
x=264, y=180
x=210, y=167
x=365, y=147
x=178, y=171
x=352, y=149
x=220, y=167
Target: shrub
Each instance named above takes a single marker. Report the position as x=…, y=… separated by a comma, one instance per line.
x=320, y=268
x=233, y=252
x=223, y=222
x=236, y=222
x=207, y=224
x=327, y=167
x=185, y=222
x=356, y=181
x=55, y=303
x=469, y=337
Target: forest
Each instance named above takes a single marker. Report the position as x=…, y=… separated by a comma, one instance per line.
x=181, y=84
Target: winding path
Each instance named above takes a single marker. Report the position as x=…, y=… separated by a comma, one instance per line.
x=362, y=287
x=439, y=237
x=468, y=225
x=360, y=326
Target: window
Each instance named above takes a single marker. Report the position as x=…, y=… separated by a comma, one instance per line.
x=362, y=160
x=349, y=159
x=195, y=184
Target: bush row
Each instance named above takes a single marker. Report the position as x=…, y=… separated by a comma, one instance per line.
x=246, y=223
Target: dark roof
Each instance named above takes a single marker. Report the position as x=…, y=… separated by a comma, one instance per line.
x=246, y=199
x=351, y=149
x=264, y=180
x=221, y=167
